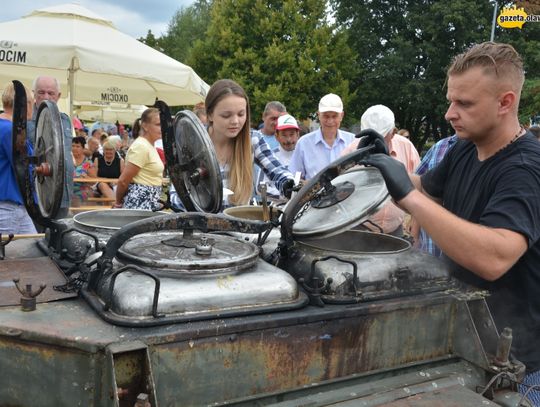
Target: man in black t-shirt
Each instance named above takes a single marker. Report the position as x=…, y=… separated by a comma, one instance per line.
x=481, y=204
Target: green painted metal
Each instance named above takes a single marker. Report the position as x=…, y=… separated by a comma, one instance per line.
x=35, y=374
x=63, y=355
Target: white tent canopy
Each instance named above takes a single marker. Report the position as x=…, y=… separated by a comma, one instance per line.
x=111, y=113
x=93, y=61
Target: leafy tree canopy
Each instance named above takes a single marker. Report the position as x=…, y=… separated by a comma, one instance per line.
x=284, y=50
x=394, y=52
x=404, y=48
x=188, y=25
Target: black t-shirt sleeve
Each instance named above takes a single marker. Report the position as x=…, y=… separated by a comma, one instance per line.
x=514, y=204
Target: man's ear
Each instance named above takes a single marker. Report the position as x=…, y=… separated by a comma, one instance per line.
x=507, y=101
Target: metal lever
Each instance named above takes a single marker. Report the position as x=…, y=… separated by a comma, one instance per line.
x=3, y=245
x=28, y=300
x=503, y=348
x=265, y=213
x=142, y=401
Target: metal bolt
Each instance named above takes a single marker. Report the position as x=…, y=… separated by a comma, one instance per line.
x=203, y=248
x=28, y=299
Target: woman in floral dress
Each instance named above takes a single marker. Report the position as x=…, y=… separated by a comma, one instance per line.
x=84, y=167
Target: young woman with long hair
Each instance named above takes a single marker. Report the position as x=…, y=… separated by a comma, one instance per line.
x=227, y=109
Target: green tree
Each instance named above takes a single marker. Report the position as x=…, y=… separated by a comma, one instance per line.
x=403, y=49
x=530, y=100
x=527, y=42
x=151, y=41
x=188, y=25
x=284, y=50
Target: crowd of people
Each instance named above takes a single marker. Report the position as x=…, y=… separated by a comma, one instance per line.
x=471, y=200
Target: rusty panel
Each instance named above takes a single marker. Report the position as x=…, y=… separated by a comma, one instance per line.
x=35, y=375
x=236, y=366
x=36, y=271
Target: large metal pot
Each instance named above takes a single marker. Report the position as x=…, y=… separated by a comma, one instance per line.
x=171, y=269
x=269, y=241
x=336, y=263
x=365, y=265
x=251, y=212
x=80, y=233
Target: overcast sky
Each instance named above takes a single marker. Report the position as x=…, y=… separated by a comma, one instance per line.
x=133, y=17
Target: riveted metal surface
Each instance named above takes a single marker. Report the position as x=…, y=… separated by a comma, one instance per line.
x=378, y=388
x=453, y=396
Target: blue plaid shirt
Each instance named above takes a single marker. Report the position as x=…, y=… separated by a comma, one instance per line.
x=433, y=157
x=263, y=157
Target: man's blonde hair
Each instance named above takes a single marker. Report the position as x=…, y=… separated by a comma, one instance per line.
x=497, y=59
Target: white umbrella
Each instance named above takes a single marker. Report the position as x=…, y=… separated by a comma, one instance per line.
x=93, y=61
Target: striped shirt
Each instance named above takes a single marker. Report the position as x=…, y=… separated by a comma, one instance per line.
x=263, y=157
x=433, y=157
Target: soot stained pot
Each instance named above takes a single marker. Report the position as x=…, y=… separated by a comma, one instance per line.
x=270, y=239
x=338, y=264
x=192, y=281
x=173, y=269
x=81, y=231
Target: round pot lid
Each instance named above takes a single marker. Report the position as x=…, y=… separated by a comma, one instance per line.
x=196, y=253
x=354, y=196
x=193, y=165
x=39, y=173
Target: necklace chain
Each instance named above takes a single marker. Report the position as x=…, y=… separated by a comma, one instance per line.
x=518, y=134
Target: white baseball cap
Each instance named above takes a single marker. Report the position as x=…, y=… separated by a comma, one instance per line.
x=286, y=122
x=379, y=118
x=330, y=103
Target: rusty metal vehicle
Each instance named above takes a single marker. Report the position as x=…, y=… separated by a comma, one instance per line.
x=182, y=310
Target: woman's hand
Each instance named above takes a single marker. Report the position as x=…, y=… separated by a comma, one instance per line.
x=117, y=205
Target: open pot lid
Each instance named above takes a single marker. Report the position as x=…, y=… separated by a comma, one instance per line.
x=351, y=199
x=39, y=171
x=193, y=165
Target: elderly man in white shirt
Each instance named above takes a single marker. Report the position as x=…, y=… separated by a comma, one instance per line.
x=317, y=149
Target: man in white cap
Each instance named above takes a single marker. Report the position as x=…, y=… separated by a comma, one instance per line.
x=287, y=135
x=381, y=119
x=317, y=149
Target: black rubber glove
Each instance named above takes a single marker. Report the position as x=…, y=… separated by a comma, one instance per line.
x=395, y=175
x=287, y=188
x=370, y=137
